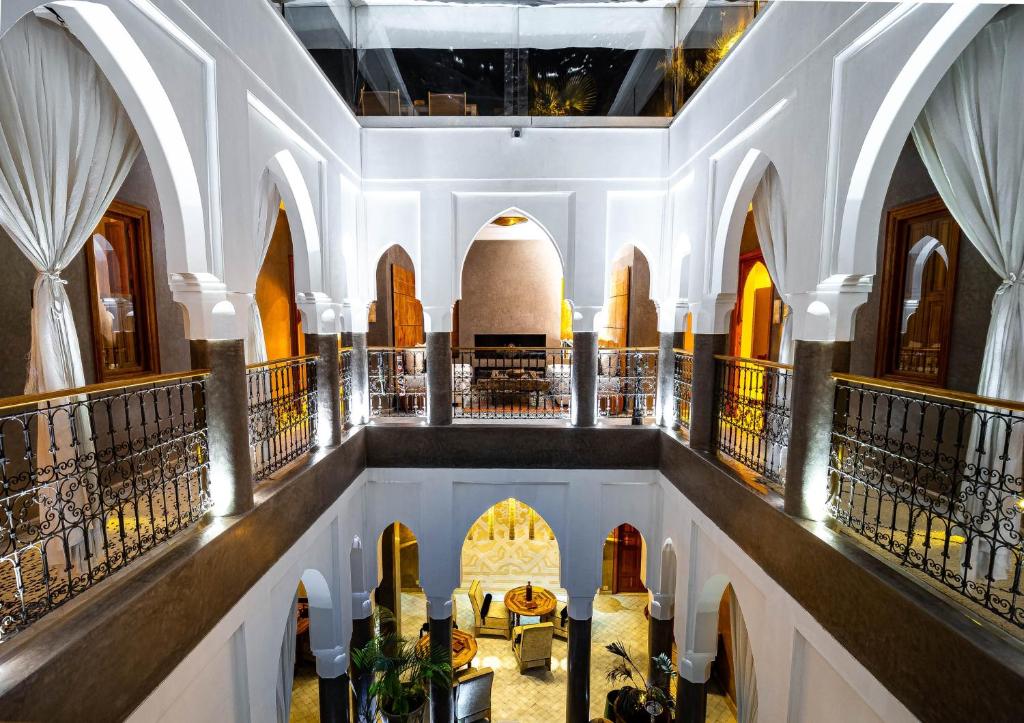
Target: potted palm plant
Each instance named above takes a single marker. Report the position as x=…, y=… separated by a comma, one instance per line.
x=402, y=672
x=639, y=700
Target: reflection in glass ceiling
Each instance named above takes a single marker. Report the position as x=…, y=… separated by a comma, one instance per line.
x=539, y=58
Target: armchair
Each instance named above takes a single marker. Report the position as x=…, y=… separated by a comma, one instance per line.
x=493, y=620
x=532, y=645
x=472, y=695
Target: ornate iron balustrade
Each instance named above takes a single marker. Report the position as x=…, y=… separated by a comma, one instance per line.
x=934, y=478
x=92, y=479
x=627, y=382
x=682, y=384
x=511, y=382
x=398, y=382
x=752, y=399
x=345, y=376
x=282, y=412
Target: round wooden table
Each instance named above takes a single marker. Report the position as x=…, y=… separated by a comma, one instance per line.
x=463, y=647
x=544, y=602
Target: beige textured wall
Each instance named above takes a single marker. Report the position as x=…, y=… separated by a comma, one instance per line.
x=511, y=287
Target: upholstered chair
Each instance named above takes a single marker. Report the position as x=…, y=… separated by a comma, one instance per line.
x=472, y=694
x=532, y=645
x=559, y=620
x=489, y=616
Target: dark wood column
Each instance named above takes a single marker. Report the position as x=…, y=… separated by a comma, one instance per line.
x=577, y=698
x=691, y=701
x=441, y=693
x=334, y=700
x=659, y=642
x=362, y=632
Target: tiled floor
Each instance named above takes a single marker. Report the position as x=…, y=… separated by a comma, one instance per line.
x=537, y=696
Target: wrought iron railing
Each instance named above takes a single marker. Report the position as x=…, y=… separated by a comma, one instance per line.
x=753, y=414
x=92, y=479
x=398, y=382
x=627, y=382
x=934, y=477
x=511, y=382
x=682, y=386
x=345, y=380
x=282, y=412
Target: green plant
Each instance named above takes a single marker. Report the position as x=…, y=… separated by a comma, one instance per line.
x=402, y=671
x=573, y=97
x=640, y=695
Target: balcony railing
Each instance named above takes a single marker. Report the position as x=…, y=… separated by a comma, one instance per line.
x=345, y=383
x=752, y=398
x=682, y=386
x=934, y=478
x=627, y=382
x=398, y=382
x=92, y=479
x=511, y=382
x=282, y=412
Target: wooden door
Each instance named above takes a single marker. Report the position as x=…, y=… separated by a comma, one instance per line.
x=628, y=560
x=617, y=325
x=407, y=312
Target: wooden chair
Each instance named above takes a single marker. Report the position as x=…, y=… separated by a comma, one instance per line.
x=495, y=622
x=532, y=645
x=379, y=102
x=446, y=103
x=561, y=630
x=472, y=695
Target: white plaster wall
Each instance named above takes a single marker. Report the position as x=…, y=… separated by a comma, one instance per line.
x=803, y=674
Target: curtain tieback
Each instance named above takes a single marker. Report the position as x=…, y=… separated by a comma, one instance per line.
x=1008, y=283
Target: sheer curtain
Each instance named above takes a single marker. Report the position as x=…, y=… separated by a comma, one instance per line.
x=770, y=224
x=971, y=138
x=286, y=667
x=743, y=664
x=66, y=145
x=268, y=203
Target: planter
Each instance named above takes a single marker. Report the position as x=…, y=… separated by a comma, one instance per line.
x=416, y=716
x=625, y=713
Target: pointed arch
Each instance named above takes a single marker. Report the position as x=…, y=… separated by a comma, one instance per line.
x=151, y=112
x=854, y=250
x=284, y=172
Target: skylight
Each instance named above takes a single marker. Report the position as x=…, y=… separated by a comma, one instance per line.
x=418, y=58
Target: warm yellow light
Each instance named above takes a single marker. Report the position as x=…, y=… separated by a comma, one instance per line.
x=509, y=220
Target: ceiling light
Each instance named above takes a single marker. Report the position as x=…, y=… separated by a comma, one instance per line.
x=509, y=220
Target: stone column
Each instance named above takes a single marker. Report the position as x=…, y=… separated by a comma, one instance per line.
x=665, y=405
x=226, y=407
x=577, y=696
x=659, y=641
x=583, y=404
x=334, y=699
x=812, y=399
x=362, y=633
x=328, y=388
x=691, y=701
x=360, y=379
x=703, y=412
x=439, y=377
x=439, y=614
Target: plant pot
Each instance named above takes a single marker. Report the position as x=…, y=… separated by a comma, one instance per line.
x=625, y=713
x=416, y=716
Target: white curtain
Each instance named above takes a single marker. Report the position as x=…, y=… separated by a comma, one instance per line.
x=66, y=145
x=971, y=137
x=268, y=203
x=286, y=667
x=743, y=664
x=770, y=224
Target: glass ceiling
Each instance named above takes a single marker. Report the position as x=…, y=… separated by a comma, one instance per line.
x=541, y=58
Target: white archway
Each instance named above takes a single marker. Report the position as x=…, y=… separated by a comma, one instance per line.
x=854, y=253
x=152, y=114
x=463, y=251
x=287, y=177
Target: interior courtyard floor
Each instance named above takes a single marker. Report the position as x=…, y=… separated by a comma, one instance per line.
x=537, y=696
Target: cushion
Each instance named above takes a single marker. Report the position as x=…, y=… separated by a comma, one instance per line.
x=485, y=608
x=564, y=615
